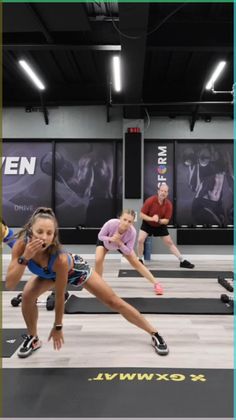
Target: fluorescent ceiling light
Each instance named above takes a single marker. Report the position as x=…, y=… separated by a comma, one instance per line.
x=116, y=73
x=32, y=74
x=215, y=75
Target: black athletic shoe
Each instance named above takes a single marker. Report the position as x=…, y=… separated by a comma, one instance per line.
x=159, y=344
x=29, y=345
x=186, y=264
x=141, y=260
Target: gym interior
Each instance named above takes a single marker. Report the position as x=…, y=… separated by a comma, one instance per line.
x=89, y=145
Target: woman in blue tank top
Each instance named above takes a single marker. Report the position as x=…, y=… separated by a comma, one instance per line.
x=38, y=247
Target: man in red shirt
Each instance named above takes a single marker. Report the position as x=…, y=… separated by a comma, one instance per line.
x=156, y=213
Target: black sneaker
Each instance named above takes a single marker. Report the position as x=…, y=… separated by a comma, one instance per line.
x=29, y=345
x=141, y=260
x=186, y=264
x=159, y=344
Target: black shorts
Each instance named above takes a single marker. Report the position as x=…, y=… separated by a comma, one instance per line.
x=100, y=243
x=154, y=231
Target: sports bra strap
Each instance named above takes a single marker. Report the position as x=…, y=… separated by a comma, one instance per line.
x=54, y=257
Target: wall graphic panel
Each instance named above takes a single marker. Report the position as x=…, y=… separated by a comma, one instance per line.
x=158, y=166
x=204, y=183
x=86, y=188
x=25, y=186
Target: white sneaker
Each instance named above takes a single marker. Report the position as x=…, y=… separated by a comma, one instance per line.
x=159, y=344
x=29, y=345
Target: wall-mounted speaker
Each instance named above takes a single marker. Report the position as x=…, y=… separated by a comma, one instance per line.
x=133, y=165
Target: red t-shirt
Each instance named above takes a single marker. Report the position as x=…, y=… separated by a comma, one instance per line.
x=152, y=206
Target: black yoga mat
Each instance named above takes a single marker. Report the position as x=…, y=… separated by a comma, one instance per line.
x=117, y=392
x=187, y=274
x=11, y=340
x=20, y=286
x=76, y=305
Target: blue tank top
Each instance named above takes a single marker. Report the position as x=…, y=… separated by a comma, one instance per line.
x=45, y=272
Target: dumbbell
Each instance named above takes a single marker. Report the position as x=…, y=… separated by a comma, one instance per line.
x=16, y=300
x=224, y=283
x=227, y=299
x=50, y=302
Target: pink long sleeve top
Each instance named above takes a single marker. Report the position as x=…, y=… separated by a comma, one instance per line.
x=128, y=237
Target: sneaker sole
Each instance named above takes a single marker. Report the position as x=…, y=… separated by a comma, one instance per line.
x=161, y=352
x=24, y=355
x=189, y=268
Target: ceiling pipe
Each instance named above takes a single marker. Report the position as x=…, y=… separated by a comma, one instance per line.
x=173, y=103
x=60, y=47
x=107, y=47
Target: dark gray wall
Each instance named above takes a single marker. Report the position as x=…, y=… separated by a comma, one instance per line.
x=90, y=122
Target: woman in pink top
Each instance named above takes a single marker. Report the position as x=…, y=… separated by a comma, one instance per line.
x=120, y=234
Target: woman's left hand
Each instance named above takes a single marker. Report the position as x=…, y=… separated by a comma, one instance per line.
x=57, y=337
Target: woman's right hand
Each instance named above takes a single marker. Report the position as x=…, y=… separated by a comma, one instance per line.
x=57, y=338
x=32, y=248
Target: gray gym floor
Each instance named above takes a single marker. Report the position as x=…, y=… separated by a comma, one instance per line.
x=104, y=343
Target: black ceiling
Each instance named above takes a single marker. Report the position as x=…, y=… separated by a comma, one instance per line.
x=168, y=50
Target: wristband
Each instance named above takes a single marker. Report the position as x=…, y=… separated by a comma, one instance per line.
x=58, y=327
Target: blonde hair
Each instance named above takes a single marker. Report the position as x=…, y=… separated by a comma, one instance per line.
x=128, y=211
x=41, y=213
